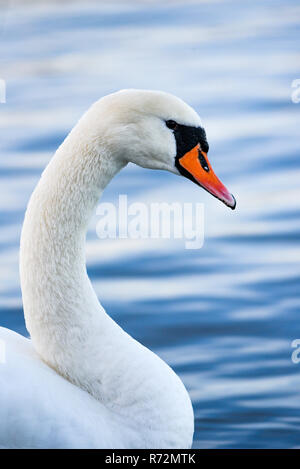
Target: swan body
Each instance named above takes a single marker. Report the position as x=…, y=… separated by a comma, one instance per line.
x=41, y=409
x=81, y=381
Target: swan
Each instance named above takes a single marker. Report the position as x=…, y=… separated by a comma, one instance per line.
x=81, y=381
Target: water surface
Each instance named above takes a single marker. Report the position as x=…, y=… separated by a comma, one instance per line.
x=223, y=316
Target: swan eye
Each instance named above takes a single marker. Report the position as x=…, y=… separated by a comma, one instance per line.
x=171, y=125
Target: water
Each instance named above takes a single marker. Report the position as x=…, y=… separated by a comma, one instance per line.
x=223, y=316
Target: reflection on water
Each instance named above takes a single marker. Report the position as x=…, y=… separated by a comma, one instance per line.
x=223, y=316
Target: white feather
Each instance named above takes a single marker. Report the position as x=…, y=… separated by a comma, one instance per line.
x=81, y=381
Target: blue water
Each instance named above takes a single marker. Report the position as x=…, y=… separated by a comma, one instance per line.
x=223, y=316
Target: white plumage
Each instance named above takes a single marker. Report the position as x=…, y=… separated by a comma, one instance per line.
x=81, y=381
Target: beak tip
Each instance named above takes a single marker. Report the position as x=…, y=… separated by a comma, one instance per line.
x=233, y=205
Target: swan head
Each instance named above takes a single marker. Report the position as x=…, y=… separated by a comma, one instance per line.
x=157, y=130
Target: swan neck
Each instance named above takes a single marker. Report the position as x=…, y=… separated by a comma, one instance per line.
x=68, y=326
x=57, y=294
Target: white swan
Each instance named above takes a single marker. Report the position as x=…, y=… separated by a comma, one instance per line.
x=81, y=381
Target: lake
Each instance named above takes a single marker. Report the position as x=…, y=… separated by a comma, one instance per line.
x=223, y=316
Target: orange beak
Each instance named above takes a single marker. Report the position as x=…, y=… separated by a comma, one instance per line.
x=196, y=164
